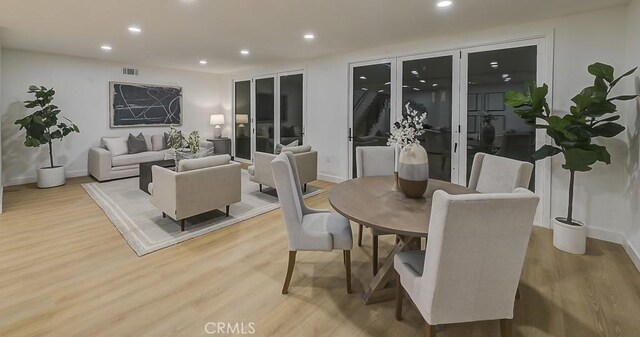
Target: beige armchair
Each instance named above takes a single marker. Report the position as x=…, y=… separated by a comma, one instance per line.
x=307, y=161
x=200, y=185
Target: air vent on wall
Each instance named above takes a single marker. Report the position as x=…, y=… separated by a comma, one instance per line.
x=130, y=71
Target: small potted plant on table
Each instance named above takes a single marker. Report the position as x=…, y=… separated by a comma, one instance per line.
x=592, y=115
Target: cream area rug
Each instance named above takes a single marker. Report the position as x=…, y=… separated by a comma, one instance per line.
x=144, y=229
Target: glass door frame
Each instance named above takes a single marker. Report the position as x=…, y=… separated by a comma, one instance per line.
x=455, y=100
x=304, y=102
x=233, y=117
x=544, y=74
x=392, y=106
x=254, y=110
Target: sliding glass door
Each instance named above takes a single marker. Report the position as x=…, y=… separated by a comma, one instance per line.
x=242, y=119
x=491, y=126
x=291, y=108
x=427, y=86
x=265, y=98
x=268, y=110
x=371, y=106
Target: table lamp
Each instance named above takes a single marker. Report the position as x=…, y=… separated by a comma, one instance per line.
x=217, y=120
x=241, y=120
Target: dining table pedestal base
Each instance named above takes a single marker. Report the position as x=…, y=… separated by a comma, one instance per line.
x=381, y=288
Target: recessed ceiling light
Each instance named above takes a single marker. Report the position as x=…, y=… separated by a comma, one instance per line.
x=494, y=63
x=244, y=52
x=415, y=72
x=387, y=83
x=494, y=66
x=423, y=81
x=363, y=77
x=380, y=90
x=309, y=36
x=105, y=47
x=505, y=75
x=405, y=86
x=434, y=85
x=365, y=89
x=135, y=29
x=444, y=3
x=416, y=89
x=203, y=62
x=507, y=79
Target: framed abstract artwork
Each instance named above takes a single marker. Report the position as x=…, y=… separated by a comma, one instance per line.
x=135, y=105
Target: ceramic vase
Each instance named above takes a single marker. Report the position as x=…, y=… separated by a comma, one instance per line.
x=413, y=171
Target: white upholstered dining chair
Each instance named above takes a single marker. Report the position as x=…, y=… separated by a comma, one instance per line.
x=494, y=174
x=374, y=161
x=475, y=254
x=308, y=229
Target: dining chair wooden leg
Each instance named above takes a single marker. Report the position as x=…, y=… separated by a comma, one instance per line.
x=287, y=279
x=347, y=267
x=260, y=187
x=360, y=235
x=227, y=210
x=506, y=327
x=164, y=215
x=399, y=297
x=182, y=225
x=429, y=330
x=375, y=254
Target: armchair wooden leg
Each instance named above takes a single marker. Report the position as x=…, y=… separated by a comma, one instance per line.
x=304, y=188
x=164, y=215
x=506, y=327
x=360, y=227
x=347, y=265
x=287, y=279
x=260, y=187
x=375, y=255
x=182, y=223
x=227, y=210
x=399, y=298
x=429, y=330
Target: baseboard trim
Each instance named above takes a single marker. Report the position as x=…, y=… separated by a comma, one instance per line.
x=330, y=178
x=634, y=255
x=605, y=235
x=33, y=179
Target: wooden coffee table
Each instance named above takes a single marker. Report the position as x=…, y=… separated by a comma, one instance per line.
x=146, y=175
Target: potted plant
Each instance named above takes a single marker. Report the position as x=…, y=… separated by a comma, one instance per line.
x=42, y=127
x=592, y=115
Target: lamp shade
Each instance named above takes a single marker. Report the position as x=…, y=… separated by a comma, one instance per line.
x=242, y=119
x=217, y=119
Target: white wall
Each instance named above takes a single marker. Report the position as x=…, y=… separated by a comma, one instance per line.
x=579, y=40
x=632, y=234
x=82, y=93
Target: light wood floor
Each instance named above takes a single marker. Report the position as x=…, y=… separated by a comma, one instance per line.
x=66, y=271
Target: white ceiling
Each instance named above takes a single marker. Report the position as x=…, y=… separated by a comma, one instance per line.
x=179, y=33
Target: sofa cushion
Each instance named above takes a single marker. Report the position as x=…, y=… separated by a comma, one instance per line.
x=116, y=145
x=157, y=142
x=279, y=146
x=147, y=140
x=137, y=158
x=136, y=144
x=199, y=163
x=297, y=149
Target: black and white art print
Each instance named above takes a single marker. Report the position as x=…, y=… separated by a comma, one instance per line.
x=135, y=105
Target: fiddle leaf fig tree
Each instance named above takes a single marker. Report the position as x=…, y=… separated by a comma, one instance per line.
x=592, y=115
x=43, y=126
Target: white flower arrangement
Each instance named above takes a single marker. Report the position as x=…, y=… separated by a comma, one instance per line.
x=406, y=131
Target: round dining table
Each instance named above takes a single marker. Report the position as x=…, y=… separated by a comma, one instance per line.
x=373, y=202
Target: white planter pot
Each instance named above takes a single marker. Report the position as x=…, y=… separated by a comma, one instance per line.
x=51, y=176
x=570, y=238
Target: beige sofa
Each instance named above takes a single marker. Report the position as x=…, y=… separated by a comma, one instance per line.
x=104, y=166
x=200, y=185
x=306, y=160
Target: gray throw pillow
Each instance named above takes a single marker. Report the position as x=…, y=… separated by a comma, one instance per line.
x=280, y=146
x=137, y=144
